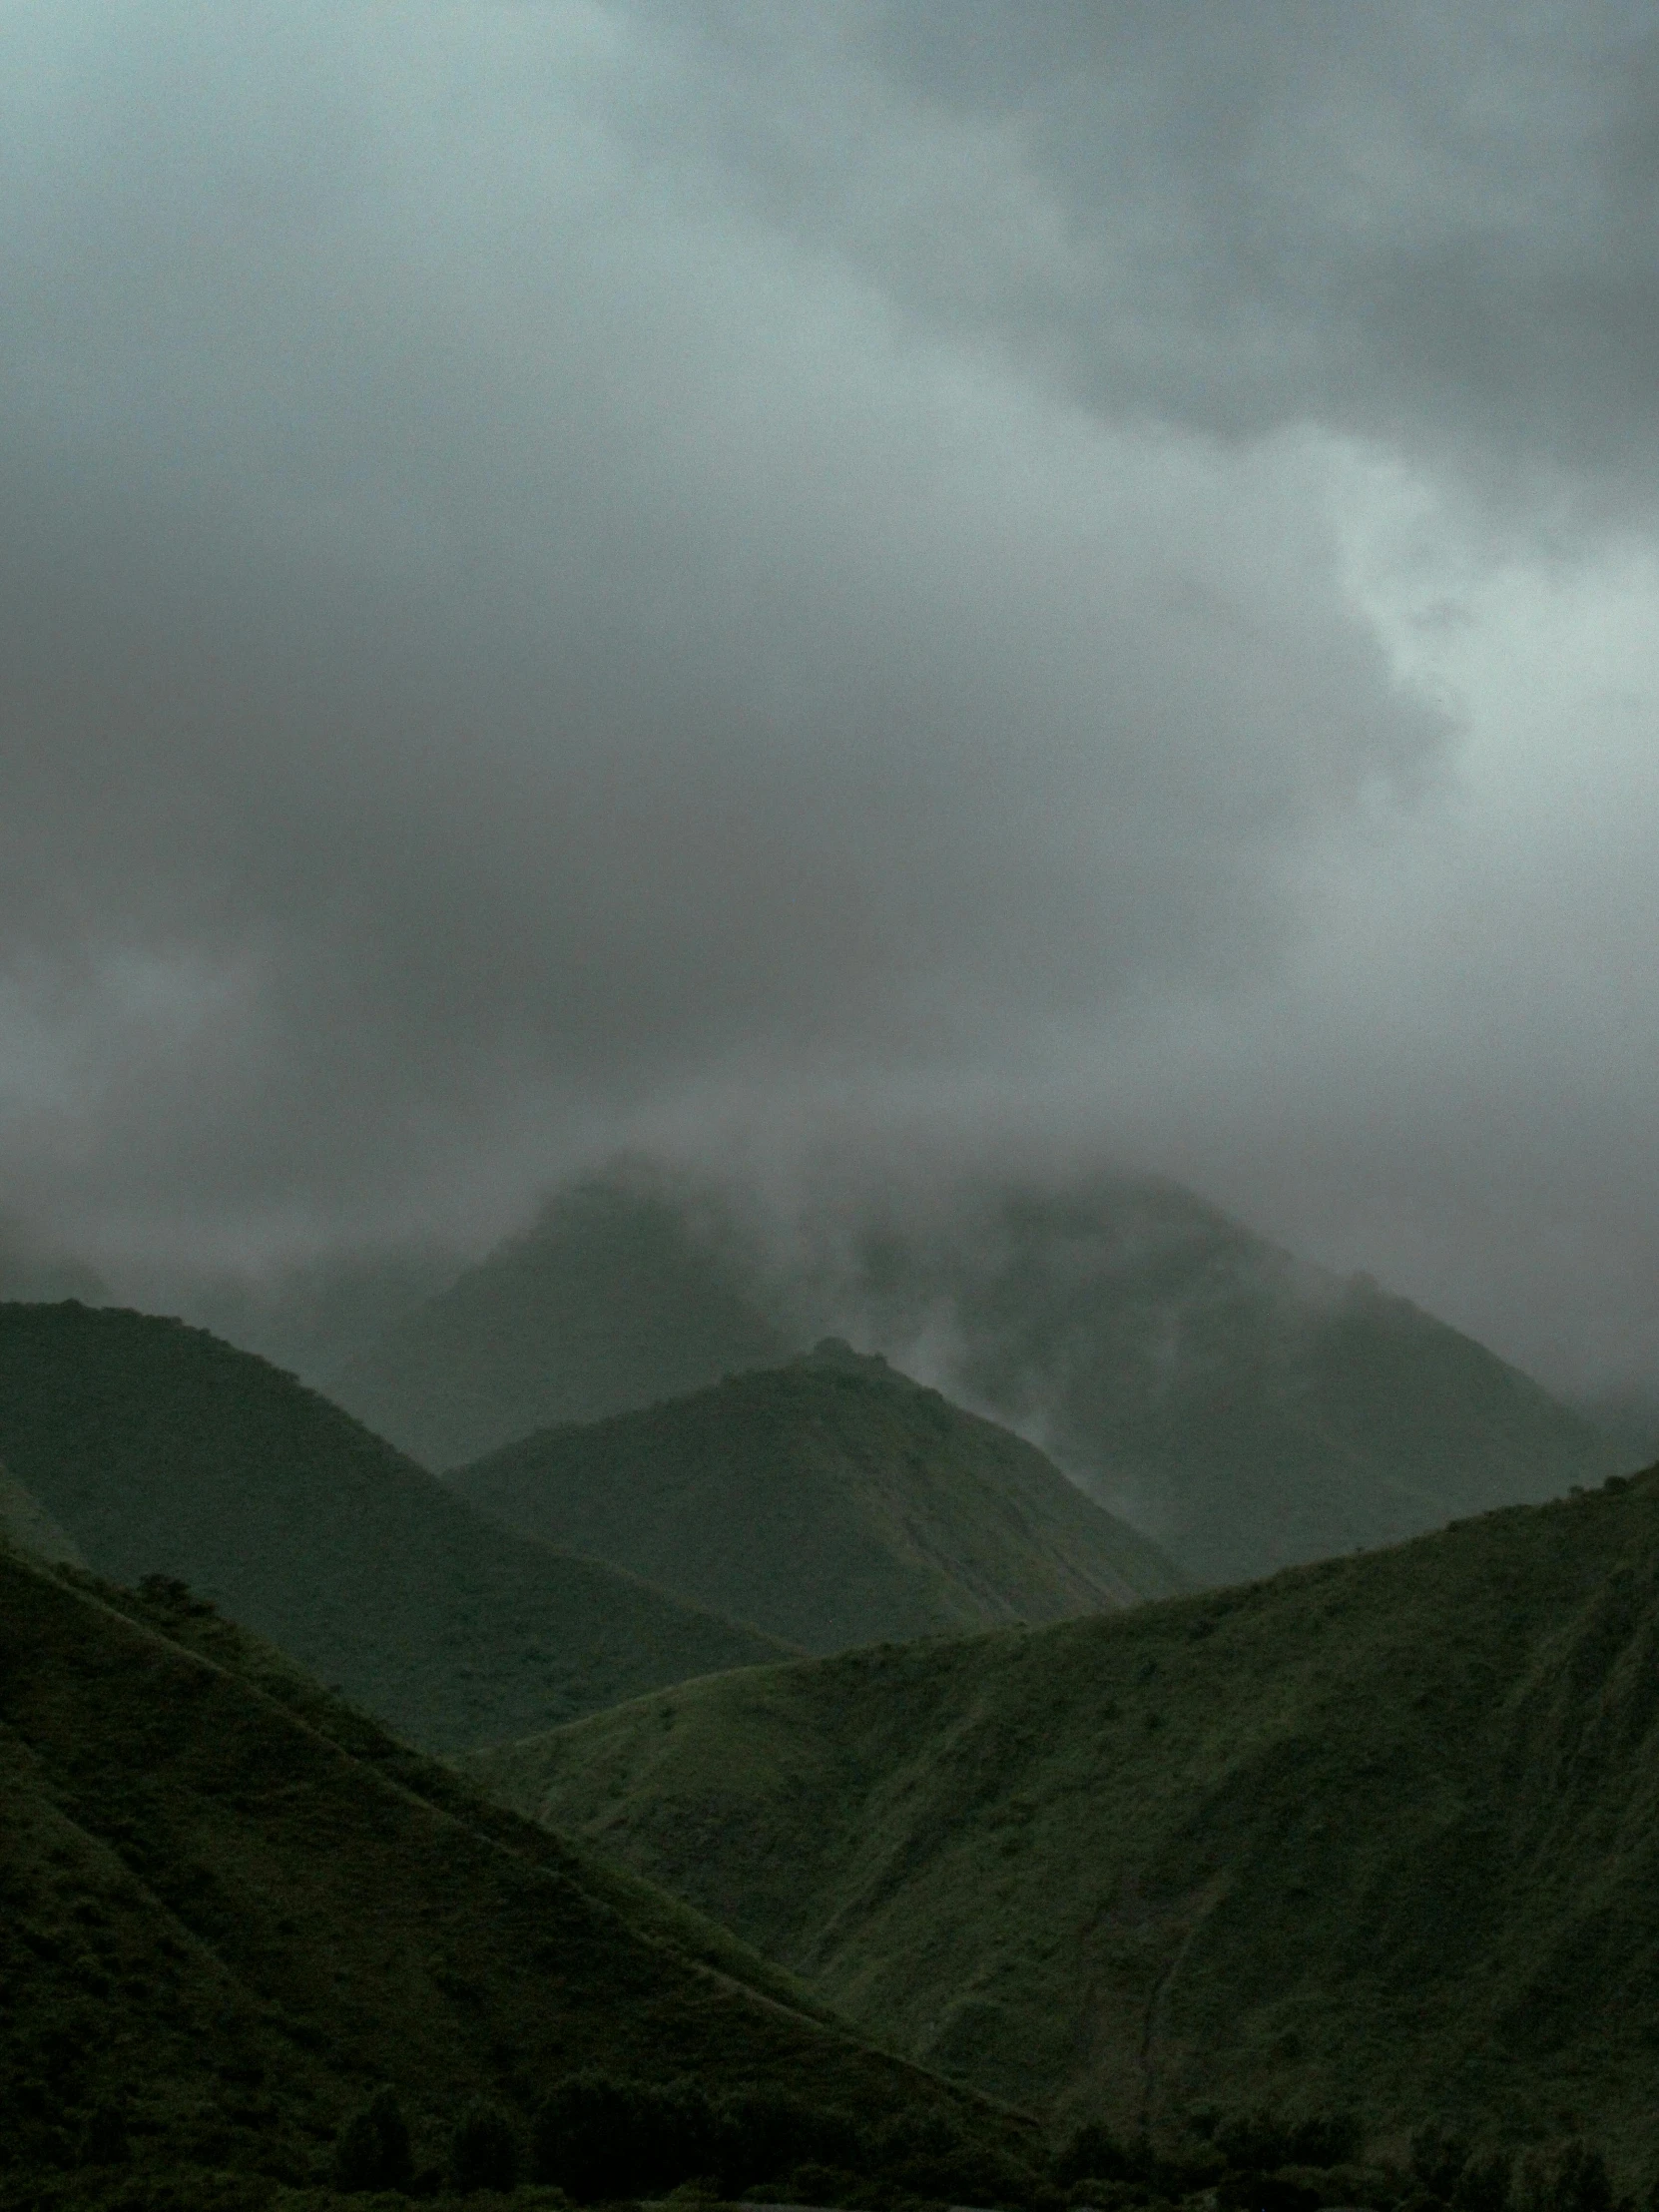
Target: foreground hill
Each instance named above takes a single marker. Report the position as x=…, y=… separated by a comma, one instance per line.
x=1241, y=1408
x=160, y=1450
x=233, y=1907
x=1381, y=1834
x=635, y=1284
x=833, y=1501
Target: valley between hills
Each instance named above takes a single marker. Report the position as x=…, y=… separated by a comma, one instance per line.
x=1153, y=1726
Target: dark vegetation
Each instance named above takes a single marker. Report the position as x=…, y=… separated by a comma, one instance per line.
x=245, y=1931
x=831, y=1501
x=158, y=1449
x=1381, y=1833
x=1244, y=1409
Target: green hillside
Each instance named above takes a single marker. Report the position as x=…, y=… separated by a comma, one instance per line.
x=831, y=1501
x=161, y=1450
x=1242, y=1409
x=234, y=1907
x=635, y=1284
x=1382, y=1833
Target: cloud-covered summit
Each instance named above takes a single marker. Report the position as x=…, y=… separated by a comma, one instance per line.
x=586, y=568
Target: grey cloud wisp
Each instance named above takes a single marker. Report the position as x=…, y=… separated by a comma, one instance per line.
x=576, y=569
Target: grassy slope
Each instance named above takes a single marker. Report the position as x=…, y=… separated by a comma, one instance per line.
x=831, y=1501
x=630, y=1289
x=160, y=1450
x=233, y=1906
x=1383, y=1832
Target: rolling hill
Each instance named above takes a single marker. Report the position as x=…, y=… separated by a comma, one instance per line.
x=1381, y=1833
x=234, y=1907
x=634, y=1285
x=160, y=1450
x=1239, y=1407
x=831, y=1501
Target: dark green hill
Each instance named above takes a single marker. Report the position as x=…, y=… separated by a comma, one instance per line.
x=635, y=1284
x=1382, y=1833
x=1242, y=1409
x=831, y=1501
x=160, y=1450
x=233, y=1907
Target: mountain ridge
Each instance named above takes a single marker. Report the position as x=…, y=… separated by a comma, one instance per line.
x=161, y=1450
x=831, y=1500
x=1240, y=1409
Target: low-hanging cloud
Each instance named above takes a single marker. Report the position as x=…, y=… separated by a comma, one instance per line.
x=571, y=564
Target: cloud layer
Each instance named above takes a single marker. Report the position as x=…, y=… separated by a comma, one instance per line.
x=578, y=570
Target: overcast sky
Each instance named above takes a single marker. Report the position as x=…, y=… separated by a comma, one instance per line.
x=662, y=568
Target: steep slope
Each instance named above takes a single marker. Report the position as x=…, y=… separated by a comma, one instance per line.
x=633, y=1286
x=1382, y=1833
x=27, y=1524
x=1242, y=1409
x=831, y=1501
x=234, y=1907
x=161, y=1450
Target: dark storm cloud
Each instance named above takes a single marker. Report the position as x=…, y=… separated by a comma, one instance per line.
x=1418, y=222
x=575, y=567
x=487, y=627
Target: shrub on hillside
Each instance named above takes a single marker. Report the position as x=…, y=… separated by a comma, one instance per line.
x=1565, y=2178
x=1485, y=2184
x=372, y=2151
x=600, y=2137
x=483, y=2151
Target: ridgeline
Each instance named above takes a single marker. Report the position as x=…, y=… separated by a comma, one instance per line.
x=159, y=1450
x=832, y=1502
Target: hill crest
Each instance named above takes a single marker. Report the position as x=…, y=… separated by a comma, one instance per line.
x=831, y=1500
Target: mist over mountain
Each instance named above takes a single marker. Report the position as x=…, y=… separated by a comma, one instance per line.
x=831, y=1501
x=1377, y=1833
x=631, y=1286
x=1239, y=1407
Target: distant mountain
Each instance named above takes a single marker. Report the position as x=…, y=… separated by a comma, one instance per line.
x=161, y=1450
x=1241, y=1408
x=234, y=1907
x=635, y=1284
x=1246, y=1410
x=831, y=1501
x=1380, y=1834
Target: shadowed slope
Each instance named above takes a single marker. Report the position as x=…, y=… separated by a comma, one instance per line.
x=1382, y=1833
x=30, y=1526
x=233, y=1906
x=833, y=1501
x=160, y=1450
